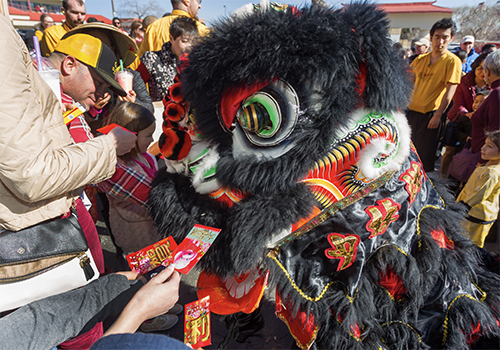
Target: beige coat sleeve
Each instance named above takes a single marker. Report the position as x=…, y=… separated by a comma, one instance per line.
x=37, y=160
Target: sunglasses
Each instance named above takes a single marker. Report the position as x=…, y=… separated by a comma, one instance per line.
x=116, y=22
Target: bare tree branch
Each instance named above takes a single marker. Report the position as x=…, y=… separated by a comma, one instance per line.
x=480, y=21
x=140, y=8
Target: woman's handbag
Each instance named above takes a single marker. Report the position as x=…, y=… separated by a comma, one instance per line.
x=48, y=258
x=463, y=164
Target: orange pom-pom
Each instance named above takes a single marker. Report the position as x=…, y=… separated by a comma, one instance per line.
x=174, y=144
x=164, y=115
x=175, y=92
x=174, y=112
x=154, y=149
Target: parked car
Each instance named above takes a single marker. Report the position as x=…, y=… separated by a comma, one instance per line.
x=453, y=46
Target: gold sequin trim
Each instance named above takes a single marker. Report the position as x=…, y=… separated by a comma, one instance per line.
x=297, y=287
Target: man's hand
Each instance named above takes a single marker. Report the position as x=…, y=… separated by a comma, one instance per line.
x=448, y=96
x=130, y=97
x=102, y=101
x=158, y=295
x=124, y=140
x=155, y=298
x=67, y=107
x=434, y=122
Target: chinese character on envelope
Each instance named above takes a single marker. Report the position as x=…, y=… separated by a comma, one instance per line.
x=152, y=256
x=197, y=323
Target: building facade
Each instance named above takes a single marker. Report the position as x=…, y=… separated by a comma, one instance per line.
x=410, y=21
x=25, y=15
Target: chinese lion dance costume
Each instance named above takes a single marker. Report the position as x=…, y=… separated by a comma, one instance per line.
x=285, y=130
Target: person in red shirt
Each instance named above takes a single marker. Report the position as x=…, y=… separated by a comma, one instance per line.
x=487, y=117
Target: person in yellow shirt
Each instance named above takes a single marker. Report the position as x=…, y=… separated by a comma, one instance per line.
x=45, y=22
x=481, y=193
x=437, y=75
x=158, y=33
x=74, y=12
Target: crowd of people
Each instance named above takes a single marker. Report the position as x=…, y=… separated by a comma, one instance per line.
x=459, y=97
x=43, y=172
x=445, y=114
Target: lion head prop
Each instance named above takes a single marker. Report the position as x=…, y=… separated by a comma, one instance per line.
x=296, y=146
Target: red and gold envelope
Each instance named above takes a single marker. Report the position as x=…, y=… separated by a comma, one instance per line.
x=152, y=256
x=193, y=248
x=165, y=252
x=197, y=323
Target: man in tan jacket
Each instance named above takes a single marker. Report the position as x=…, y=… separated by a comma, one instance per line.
x=40, y=169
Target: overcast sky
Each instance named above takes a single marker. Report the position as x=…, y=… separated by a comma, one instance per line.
x=213, y=9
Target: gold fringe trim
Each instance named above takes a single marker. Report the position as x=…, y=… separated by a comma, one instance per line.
x=406, y=324
x=297, y=287
x=445, y=325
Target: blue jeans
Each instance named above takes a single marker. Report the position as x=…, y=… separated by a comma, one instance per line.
x=138, y=341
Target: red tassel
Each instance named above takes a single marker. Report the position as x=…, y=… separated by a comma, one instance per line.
x=441, y=239
x=392, y=283
x=183, y=62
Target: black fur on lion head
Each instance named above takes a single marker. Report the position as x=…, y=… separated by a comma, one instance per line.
x=319, y=52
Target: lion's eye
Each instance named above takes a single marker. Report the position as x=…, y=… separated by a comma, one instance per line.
x=268, y=116
x=259, y=115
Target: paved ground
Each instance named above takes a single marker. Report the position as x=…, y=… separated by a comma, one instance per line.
x=275, y=334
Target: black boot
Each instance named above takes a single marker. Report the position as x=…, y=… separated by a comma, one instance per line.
x=249, y=324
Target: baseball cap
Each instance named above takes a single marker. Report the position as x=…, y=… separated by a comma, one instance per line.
x=468, y=39
x=422, y=42
x=92, y=52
